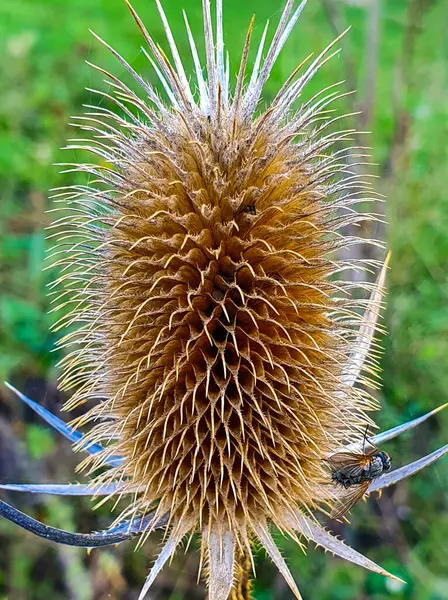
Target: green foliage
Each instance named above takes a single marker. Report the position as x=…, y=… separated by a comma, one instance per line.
x=43, y=45
x=40, y=442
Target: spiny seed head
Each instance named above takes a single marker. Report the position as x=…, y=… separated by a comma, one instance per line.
x=212, y=330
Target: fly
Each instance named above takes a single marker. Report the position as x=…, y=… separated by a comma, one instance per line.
x=249, y=209
x=355, y=472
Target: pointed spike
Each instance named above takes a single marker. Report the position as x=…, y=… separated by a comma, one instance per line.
x=256, y=67
x=162, y=79
x=316, y=533
x=175, y=54
x=92, y=540
x=279, y=40
x=64, y=489
x=379, y=439
x=403, y=472
x=221, y=552
x=266, y=540
x=288, y=96
x=366, y=331
x=167, y=550
x=148, y=89
x=289, y=28
x=227, y=87
x=170, y=77
x=204, y=102
x=210, y=55
x=68, y=432
x=220, y=44
x=242, y=70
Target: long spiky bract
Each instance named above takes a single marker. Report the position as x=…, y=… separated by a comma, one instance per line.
x=209, y=319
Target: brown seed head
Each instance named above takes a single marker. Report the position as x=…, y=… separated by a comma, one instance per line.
x=213, y=332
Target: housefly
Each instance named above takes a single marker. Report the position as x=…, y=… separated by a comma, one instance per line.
x=355, y=472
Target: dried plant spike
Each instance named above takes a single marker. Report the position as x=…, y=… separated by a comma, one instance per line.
x=318, y=534
x=61, y=489
x=390, y=434
x=263, y=534
x=66, y=430
x=367, y=329
x=168, y=549
x=221, y=552
x=205, y=323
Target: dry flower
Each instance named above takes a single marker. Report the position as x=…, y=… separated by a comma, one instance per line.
x=212, y=326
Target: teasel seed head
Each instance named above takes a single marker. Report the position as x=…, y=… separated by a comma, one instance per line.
x=209, y=321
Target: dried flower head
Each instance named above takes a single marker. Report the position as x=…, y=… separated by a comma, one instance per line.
x=212, y=329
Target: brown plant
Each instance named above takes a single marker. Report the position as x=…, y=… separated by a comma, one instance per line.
x=212, y=327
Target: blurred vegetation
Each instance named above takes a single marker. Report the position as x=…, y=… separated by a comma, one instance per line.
x=396, y=56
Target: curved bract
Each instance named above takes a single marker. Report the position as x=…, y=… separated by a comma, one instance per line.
x=91, y=540
x=63, y=428
x=116, y=535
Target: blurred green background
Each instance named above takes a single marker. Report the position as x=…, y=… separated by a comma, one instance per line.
x=396, y=57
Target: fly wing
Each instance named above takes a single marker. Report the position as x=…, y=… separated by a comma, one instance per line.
x=347, y=460
x=348, y=499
